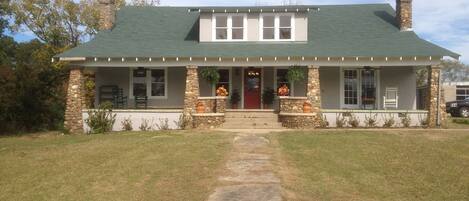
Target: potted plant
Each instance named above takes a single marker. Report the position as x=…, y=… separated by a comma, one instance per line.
x=211, y=75
x=221, y=91
x=283, y=90
x=235, y=98
x=307, y=108
x=295, y=73
x=268, y=96
x=200, y=108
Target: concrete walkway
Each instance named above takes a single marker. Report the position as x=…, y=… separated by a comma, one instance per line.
x=249, y=175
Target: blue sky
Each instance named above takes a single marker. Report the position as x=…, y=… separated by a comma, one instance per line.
x=445, y=23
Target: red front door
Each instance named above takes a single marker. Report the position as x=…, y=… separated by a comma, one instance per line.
x=252, y=88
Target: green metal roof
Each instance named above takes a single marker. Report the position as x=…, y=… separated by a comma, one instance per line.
x=334, y=31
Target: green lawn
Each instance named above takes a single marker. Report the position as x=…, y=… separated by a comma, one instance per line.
x=376, y=165
x=119, y=166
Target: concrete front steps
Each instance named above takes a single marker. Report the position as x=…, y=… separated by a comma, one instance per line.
x=251, y=119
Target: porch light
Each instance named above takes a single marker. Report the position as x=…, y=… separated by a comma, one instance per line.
x=247, y=58
x=386, y=58
x=400, y=58
x=261, y=10
x=205, y=58
x=109, y=59
x=225, y=10
x=343, y=58
x=164, y=59
x=286, y=10
x=234, y=59
x=356, y=58
x=177, y=58
x=149, y=59
x=372, y=58
x=415, y=58
x=260, y=58
x=95, y=59
x=219, y=58
x=249, y=10
x=315, y=58
x=302, y=58
x=297, y=10
x=213, y=10
x=273, y=10
x=190, y=58
x=275, y=58
x=237, y=10
x=136, y=58
x=328, y=58
x=307, y=9
x=430, y=58
x=123, y=59
x=288, y=58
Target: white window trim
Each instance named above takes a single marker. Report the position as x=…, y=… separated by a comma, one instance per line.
x=292, y=85
x=230, y=84
x=359, y=91
x=276, y=26
x=148, y=83
x=229, y=27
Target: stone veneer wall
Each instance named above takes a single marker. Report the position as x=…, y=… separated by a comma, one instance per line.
x=291, y=108
x=191, y=93
x=434, y=107
x=220, y=104
x=208, y=121
x=107, y=14
x=404, y=14
x=210, y=104
x=75, y=101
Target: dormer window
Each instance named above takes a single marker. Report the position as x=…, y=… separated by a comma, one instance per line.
x=277, y=27
x=229, y=27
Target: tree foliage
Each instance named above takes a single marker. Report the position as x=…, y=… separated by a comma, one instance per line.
x=452, y=71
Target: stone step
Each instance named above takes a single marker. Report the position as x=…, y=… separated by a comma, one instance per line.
x=250, y=115
x=245, y=125
x=252, y=120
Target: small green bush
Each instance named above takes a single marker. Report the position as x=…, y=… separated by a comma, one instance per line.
x=371, y=120
x=127, y=124
x=101, y=120
x=340, y=121
x=353, y=121
x=405, y=120
x=389, y=121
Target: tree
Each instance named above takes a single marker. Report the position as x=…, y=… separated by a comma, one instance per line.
x=145, y=2
x=454, y=71
x=61, y=23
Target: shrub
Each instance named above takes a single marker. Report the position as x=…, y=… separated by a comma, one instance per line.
x=145, y=126
x=354, y=121
x=101, y=120
x=340, y=121
x=323, y=123
x=163, y=124
x=388, y=121
x=405, y=120
x=423, y=121
x=183, y=122
x=371, y=121
x=127, y=124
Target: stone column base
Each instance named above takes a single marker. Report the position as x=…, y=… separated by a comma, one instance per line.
x=299, y=120
x=207, y=120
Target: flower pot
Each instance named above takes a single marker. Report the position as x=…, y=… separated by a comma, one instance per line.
x=307, y=107
x=200, y=108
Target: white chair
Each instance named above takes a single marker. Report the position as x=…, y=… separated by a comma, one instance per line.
x=391, y=98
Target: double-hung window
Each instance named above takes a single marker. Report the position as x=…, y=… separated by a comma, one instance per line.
x=149, y=82
x=229, y=27
x=277, y=26
x=462, y=92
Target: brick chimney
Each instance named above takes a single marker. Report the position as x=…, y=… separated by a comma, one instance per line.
x=107, y=14
x=404, y=14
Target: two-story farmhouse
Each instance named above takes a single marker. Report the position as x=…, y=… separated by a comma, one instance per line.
x=356, y=59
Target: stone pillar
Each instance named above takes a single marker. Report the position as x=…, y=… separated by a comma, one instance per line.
x=107, y=14
x=314, y=88
x=444, y=115
x=404, y=14
x=220, y=105
x=75, y=100
x=191, y=93
x=433, y=104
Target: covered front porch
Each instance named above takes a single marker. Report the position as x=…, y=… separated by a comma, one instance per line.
x=331, y=87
